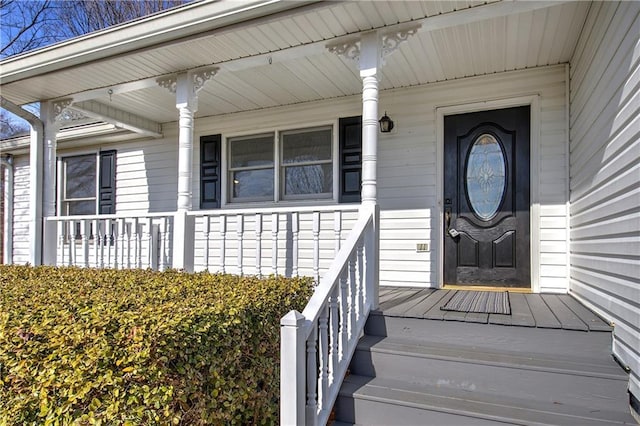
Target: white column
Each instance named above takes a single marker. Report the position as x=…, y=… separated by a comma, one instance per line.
x=186, y=86
x=369, y=64
x=50, y=112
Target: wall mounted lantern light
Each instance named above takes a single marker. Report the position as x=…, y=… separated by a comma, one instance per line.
x=386, y=124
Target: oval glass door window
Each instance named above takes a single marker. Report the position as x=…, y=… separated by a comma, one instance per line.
x=485, y=176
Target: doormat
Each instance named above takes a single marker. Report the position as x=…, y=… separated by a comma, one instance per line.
x=483, y=302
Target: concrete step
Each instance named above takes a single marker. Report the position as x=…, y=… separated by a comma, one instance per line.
x=385, y=401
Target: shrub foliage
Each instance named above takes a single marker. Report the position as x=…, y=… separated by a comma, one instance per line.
x=86, y=346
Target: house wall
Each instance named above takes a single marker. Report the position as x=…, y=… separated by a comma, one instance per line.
x=605, y=173
x=407, y=168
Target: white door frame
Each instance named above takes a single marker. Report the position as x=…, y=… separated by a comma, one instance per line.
x=534, y=102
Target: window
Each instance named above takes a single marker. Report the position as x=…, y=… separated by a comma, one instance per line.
x=251, y=168
x=303, y=160
x=87, y=184
x=307, y=168
x=79, y=185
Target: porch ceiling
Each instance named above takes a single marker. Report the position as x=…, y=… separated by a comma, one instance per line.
x=492, y=39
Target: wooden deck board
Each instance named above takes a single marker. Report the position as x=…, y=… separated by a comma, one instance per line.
x=405, y=306
x=555, y=311
x=520, y=312
x=594, y=322
x=476, y=317
x=435, y=312
x=568, y=319
x=542, y=315
x=399, y=298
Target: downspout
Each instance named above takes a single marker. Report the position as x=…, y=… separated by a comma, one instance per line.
x=36, y=165
x=6, y=161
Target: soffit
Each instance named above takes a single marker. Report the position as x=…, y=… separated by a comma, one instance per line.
x=540, y=37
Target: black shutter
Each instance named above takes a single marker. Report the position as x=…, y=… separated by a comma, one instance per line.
x=210, y=162
x=107, y=184
x=350, y=159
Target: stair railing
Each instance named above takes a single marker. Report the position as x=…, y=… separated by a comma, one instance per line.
x=316, y=345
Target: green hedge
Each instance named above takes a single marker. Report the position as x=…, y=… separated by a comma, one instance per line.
x=86, y=346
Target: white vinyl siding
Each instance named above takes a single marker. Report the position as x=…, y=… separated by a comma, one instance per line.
x=407, y=183
x=605, y=173
x=21, y=209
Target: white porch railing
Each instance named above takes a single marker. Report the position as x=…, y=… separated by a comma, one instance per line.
x=114, y=241
x=286, y=241
x=317, y=345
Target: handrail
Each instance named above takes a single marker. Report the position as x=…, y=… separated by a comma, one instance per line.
x=317, y=344
x=331, y=277
x=109, y=216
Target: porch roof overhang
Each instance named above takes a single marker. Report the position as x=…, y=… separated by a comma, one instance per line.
x=274, y=52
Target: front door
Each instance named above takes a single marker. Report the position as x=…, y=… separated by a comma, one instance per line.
x=486, y=198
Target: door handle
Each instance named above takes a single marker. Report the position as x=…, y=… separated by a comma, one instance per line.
x=447, y=217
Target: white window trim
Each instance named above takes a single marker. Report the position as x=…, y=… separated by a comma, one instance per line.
x=61, y=179
x=226, y=201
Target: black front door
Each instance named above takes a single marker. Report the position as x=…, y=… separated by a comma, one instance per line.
x=486, y=198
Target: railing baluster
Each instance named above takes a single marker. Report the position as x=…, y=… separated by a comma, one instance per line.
x=127, y=254
x=344, y=331
x=316, y=247
x=275, y=227
x=115, y=236
x=72, y=243
x=223, y=242
x=122, y=226
x=333, y=334
x=312, y=375
x=240, y=234
x=352, y=295
x=360, y=278
x=258, y=222
x=162, y=265
x=96, y=243
x=206, y=233
x=148, y=236
x=108, y=231
x=61, y=237
x=137, y=241
x=337, y=229
x=84, y=236
x=323, y=357
x=295, y=231
x=101, y=239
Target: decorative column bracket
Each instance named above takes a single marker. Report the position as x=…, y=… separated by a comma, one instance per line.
x=389, y=43
x=63, y=113
x=196, y=79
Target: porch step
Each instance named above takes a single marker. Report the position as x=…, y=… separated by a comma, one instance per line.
x=377, y=401
x=409, y=371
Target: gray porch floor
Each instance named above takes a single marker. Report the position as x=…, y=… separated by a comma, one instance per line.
x=553, y=311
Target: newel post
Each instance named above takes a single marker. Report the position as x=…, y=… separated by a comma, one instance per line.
x=292, y=369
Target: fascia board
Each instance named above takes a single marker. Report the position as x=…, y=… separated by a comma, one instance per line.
x=143, y=33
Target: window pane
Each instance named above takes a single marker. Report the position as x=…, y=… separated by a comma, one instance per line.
x=80, y=177
x=313, y=145
x=81, y=207
x=253, y=184
x=315, y=179
x=253, y=152
x=485, y=176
